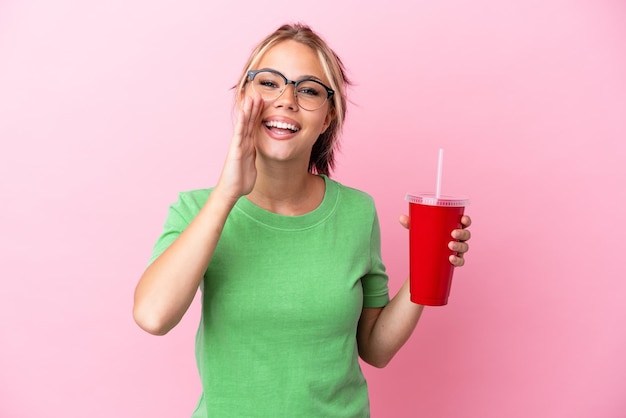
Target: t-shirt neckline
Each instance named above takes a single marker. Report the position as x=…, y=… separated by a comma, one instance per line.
x=285, y=222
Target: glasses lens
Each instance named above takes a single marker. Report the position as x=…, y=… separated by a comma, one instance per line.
x=311, y=94
x=268, y=84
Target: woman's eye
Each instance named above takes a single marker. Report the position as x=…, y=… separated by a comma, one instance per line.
x=268, y=84
x=309, y=91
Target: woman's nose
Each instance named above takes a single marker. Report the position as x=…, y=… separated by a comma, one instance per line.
x=287, y=98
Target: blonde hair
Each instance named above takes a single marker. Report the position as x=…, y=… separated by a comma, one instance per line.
x=322, y=159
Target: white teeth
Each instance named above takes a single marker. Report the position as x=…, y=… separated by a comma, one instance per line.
x=281, y=125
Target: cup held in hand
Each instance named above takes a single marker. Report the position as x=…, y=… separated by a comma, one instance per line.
x=432, y=220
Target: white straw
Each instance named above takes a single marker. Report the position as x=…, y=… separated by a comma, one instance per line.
x=439, y=170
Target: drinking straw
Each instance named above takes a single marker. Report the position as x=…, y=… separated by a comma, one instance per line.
x=439, y=169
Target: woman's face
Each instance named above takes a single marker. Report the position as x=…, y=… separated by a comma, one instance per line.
x=287, y=132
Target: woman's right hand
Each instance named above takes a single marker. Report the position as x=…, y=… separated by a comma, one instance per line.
x=239, y=172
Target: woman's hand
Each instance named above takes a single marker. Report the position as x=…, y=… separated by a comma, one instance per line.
x=239, y=172
x=460, y=245
x=460, y=238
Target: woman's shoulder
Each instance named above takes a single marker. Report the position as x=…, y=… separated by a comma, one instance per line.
x=192, y=200
x=353, y=195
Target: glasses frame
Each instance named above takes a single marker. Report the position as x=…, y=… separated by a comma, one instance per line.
x=329, y=92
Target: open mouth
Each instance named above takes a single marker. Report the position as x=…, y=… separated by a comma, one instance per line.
x=281, y=127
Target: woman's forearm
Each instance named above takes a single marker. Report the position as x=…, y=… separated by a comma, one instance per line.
x=393, y=327
x=169, y=285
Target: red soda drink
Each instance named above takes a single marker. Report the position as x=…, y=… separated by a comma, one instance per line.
x=432, y=220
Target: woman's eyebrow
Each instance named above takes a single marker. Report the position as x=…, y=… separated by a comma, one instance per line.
x=314, y=77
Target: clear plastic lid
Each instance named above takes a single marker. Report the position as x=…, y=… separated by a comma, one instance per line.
x=431, y=199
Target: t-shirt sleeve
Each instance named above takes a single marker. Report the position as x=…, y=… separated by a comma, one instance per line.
x=375, y=283
x=179, y=215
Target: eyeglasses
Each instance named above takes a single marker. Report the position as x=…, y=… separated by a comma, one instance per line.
x=309, y=93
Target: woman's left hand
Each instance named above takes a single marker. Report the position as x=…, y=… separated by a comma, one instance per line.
x=460, y=245
x=459, y=242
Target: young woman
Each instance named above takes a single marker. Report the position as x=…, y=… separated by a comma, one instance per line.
x=288, y=260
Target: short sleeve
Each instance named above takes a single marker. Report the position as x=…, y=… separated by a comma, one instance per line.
x=179, y=216
x=375, y=282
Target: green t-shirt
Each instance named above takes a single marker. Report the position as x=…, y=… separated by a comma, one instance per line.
x=281, y=300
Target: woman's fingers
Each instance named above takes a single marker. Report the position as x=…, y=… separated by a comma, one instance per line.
x=459, y=247
x=252, y=109
x=461, y=234
x=404, y=221
x=241, y=118
x=457, y=260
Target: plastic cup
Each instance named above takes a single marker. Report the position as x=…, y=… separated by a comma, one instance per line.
x=432, y=220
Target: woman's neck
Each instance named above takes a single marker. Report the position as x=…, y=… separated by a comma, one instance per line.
x=287, y=193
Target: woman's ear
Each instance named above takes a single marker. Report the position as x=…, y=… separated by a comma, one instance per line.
x=330, y=116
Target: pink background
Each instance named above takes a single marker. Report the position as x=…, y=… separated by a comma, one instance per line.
x=108, y=109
